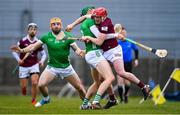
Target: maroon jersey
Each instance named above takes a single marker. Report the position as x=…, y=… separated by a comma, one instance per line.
x=107, y=27
x=32, y=59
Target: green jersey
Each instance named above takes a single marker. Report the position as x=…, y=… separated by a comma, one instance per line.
x=85, y=30
x=58, y=50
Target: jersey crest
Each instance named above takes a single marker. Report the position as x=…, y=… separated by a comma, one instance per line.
x=104, y=28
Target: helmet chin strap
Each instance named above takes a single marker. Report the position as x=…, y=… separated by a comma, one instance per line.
x=103, y=18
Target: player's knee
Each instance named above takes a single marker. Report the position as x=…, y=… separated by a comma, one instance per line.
x=34, y=83
x=41, y=84
x=109, y=80
x=112, y=79
x=97, y=83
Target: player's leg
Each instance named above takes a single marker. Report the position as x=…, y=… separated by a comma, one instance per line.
x=23, y=79
x=96, y=59
x=104, y=69
x=128, y=68
x=92, y=89
x=115, y=56
x=23, y=84
x=112, y=98
x=74, y=80
x=121, y=88
x=46, y=77
x=119, y=68
x=34, y=73
x=34, y=83
x=127, y=87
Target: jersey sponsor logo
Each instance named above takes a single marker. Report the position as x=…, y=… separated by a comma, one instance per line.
x=104, y=28
x=50, y=39
x=57, y=41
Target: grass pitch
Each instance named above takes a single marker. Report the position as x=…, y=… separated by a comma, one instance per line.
x=22, y=105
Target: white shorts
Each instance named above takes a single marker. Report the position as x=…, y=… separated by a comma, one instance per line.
x=113, y=54
x=25, y=72
x=60, y=72
x=94, y=57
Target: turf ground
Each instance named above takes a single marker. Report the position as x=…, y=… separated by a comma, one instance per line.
x=22, y=105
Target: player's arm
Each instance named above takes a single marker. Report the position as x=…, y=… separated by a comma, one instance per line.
x=98, y=41
x=136, y=54
x=96, y=32
x=101, y=37
x=77, y=50
x=16, y=56
x=43, y=58
x=136, y=62
x=29, y=48
x=77, y=21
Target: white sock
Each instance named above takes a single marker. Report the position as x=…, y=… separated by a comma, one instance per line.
x=46, y=98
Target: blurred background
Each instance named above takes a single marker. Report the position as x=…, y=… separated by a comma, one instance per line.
x=155, y=23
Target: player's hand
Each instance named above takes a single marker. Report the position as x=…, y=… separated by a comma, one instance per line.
x=121, y=37
x=84, y=39
x=82, y=53
x=136, y=62
x=20, y=62
x=69, y=28
x=88, y=15
x=15, y=48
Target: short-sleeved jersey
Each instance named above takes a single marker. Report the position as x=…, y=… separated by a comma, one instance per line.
x=58, y=50
x=85, y=30
x=32, y=59
x=127, y=48
x=107, y=27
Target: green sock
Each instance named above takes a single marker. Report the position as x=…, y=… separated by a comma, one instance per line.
x=85, y=101
x=97, y=98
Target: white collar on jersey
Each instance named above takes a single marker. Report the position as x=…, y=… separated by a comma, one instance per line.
x=34, y=39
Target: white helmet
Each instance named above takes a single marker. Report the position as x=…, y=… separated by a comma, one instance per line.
x=32, y=25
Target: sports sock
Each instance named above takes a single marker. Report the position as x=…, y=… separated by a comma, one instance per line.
x=126, y=89
x=120, y=91
x=46, y=98
x=112, y=97
x=85, y=101
x=23, y=91
x=33, y=100
x=141, y=84
x=97, y=98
